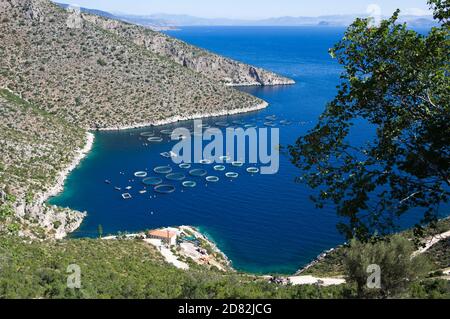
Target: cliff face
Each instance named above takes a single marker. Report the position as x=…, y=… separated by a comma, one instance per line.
x=213, y=66
x=35, y=148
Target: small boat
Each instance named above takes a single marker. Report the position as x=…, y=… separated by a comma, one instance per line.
x=126, y=196
x=142, y=191
x=107, y=181
x=128, y=188
x=117, y=188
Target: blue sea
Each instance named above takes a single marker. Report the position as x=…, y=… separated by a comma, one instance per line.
x=263, y=223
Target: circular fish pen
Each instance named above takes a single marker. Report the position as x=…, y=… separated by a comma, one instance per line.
x=270, y=124
x=147, y=134
x=253, y=170
x=221, y=124
x=166, y=132
x=212, y=179
x=140, y=174
x=232, y=175
x=152, y=181
x=237, y=164
x=165, y=189
x=198, y=172
x=271, y=118
x=219, y=168
x=189, y=184
x=175, y=177
x=155, y=139
x=184, y=166
x=206, y=162
x=163, y=170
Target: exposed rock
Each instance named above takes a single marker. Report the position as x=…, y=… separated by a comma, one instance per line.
x=211, y=65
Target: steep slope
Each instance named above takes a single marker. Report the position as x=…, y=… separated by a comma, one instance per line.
x=35, y=148
x=97, y=78
x=211, y=65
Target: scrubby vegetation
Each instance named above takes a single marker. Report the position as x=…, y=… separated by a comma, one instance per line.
x=212, y=66
x=124, y=269
x=96, y=78
x=132, y=269
x=33, y=150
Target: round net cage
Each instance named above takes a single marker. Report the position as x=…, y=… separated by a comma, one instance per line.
x=205, y=161
x=237, y=164
x=164, y=189
x=221, y=124
x=163, y=170
x=212, y=179
x=253, y=170
x=152, y=181
x=198, y=172
x=166, y=132
x=140, y=174
x=147, y=134
x=175, y=177
x=232, y=175
x=189, y=184
x=155, y=139
x=219, y=168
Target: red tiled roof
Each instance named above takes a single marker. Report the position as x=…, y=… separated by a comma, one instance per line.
x=162, y=233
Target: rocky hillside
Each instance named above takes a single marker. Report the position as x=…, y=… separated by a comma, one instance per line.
x=33, y=155
x=211, y=65
x=99, y=78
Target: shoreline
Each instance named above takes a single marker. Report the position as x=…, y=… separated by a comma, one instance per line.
x=179, y=118
x=83, y=152
x=281, y=83
x=62, y=175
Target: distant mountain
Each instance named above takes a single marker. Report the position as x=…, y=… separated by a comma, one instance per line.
x=287, y=21
x=163, y=21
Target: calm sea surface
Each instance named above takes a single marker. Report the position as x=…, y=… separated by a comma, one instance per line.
x=264, y=223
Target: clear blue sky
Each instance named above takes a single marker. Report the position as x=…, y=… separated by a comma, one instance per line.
x=251, y=9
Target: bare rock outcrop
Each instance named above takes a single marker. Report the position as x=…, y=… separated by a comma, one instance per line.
x=213, y=66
